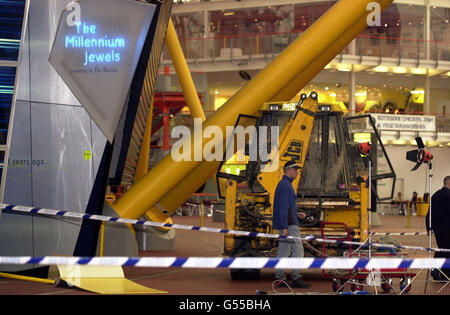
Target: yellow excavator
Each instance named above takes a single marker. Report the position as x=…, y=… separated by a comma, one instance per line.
x=170, y=183
x=332, y=187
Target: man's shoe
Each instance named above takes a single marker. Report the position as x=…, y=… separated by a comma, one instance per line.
x=281, y=284
x=299, y=283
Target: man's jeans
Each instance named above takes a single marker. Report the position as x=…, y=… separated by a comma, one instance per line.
x=292, y=248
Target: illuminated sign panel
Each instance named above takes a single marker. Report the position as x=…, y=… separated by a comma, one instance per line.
x=90, y=43
x=96, y=56
x=404, y=122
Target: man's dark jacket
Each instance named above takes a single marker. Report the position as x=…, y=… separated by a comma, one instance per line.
x=284, y=207
x=440, y=210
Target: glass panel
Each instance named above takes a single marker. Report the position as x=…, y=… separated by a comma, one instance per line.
x=268, y=30
x=401, y=33
x=311, y=179
x=440, y=33
x=257, y=31
x=11, y=17
x=334, y=176
x=7, y=79
x=383, y=174
x=323, y=173
x=190, y=31
x=2, y=162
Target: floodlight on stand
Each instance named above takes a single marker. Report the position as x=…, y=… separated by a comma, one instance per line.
x=364, y=149
x=420, y=155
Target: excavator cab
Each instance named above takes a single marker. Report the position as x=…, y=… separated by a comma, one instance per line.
x=334, y=166
x=334, y=160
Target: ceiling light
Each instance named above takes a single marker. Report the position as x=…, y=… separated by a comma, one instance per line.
x=400, y=70
x=418, y=92
x=418, y=71
x=342, y=67
x=381, y=69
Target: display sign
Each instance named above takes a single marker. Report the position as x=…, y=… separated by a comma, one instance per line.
x=404, y=122
x=91, y=45
x=97, y=54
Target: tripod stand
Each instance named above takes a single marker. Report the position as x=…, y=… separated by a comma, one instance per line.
x=372, y=278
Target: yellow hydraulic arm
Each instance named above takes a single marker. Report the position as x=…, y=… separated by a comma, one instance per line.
x=298, y=62
x=184, y=76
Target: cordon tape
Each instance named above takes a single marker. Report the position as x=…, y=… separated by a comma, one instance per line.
x=61, y=213
x=237, y=263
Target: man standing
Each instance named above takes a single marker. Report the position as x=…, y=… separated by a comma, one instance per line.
x=285, y=220
x=440, y=221
x=414, y=204
x=400, y=204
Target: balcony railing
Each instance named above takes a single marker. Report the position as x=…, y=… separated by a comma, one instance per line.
x=443, y=123
x=241, y=46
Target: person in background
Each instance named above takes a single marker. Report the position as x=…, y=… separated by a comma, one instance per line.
x=440, y=224
x=426, y=196
x=285, y=219
x=400, y=205
x=413, y=208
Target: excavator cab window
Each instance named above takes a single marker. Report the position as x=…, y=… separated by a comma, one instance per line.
x=325, y=172
x=235, y=162
x=246, y=172
x=382, y=173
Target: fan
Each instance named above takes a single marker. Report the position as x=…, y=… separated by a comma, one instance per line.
x=419, y=156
